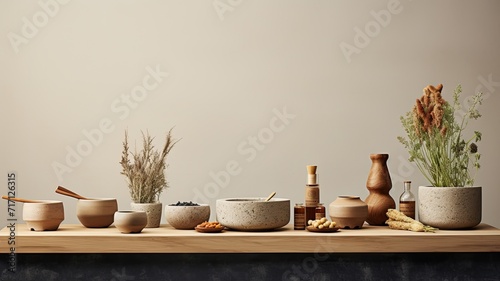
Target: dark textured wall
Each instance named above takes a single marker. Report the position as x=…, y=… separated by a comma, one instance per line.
x=318, y=266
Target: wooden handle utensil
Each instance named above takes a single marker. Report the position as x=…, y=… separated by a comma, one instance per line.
x=67, y=192
x=20, y=199
x=270, y=196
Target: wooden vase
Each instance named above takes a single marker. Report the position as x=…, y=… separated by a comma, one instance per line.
x=379, y=184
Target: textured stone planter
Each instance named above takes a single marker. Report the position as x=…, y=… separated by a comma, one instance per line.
x=153, y=212
x=450, y=207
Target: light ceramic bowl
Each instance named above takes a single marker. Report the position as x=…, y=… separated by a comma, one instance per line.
x=253, y=214
x=129, y=221
x=97, y=212
x=46, y=215
x=187, y=217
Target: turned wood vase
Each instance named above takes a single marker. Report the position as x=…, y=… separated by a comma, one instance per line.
x=379, y=184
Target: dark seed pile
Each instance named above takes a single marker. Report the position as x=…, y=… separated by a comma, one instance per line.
x=179, y=203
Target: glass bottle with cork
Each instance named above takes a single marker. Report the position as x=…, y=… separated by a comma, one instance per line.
x=407, y=201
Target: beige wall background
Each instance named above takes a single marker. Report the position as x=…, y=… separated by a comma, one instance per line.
x=267, y=87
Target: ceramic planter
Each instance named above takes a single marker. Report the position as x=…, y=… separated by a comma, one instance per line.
x=130, y=221
x=450, y=207
x=153, y=212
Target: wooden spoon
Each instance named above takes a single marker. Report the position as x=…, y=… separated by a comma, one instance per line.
x=67, y=192
x=270, y=196
x=20, y=199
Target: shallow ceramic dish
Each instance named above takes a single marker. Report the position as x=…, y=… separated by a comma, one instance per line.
x=45, y=215
x=209, y=229
x=253, y=214
x=186, y=217
x=325, y=229
x=129, y=221
x=98, y=213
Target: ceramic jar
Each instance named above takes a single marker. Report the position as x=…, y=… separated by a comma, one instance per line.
x=130, y=221
x=46, y=215
x=379, y=184
x=153, y=212
x=450, y=207
x=186, y=217
x=97, y=213
x=348, y=212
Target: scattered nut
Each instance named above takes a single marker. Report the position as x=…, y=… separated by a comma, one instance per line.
x=213, y=224
x=322, y=223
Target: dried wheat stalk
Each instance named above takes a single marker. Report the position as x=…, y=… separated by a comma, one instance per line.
x=146, y=173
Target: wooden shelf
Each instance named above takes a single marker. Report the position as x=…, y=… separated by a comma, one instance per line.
x=165, y=239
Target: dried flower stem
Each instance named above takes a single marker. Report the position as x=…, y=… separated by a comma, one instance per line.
x=435, y=139
x=146, y=174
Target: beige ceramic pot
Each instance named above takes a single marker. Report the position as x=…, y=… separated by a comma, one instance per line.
x=97, y=212
x=46, y=215
x=186, y=217
x=130, y=221
x=450, y=207
x=348, y=212
x=253, y=214
x=153, y=212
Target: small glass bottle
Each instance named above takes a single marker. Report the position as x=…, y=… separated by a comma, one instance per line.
x=407, y=201
x=299, y=217
x=320, y=211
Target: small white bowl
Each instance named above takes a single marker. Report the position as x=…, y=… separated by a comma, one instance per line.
x=187, y=217
x=46, y=215
x=129, y=221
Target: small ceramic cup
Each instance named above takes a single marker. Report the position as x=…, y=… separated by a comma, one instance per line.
x=129, y=221
x=96, y=212
x=46, y=215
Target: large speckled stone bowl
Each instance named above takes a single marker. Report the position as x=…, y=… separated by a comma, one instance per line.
x=253, y=214
x=187, y=217
x=450, y=207
x=46, y=215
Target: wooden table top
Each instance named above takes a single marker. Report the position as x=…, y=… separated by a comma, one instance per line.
x=73, y=238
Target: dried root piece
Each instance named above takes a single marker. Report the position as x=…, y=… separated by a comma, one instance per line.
x=398, y=220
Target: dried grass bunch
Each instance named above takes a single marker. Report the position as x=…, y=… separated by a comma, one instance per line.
x=146, y=173
x=435, y=138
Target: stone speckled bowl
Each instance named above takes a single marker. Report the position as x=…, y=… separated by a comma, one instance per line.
x=186, y=217
x=253, y=214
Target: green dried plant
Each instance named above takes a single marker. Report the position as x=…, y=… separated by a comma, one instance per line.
x=435, y=138
x=145, y=175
